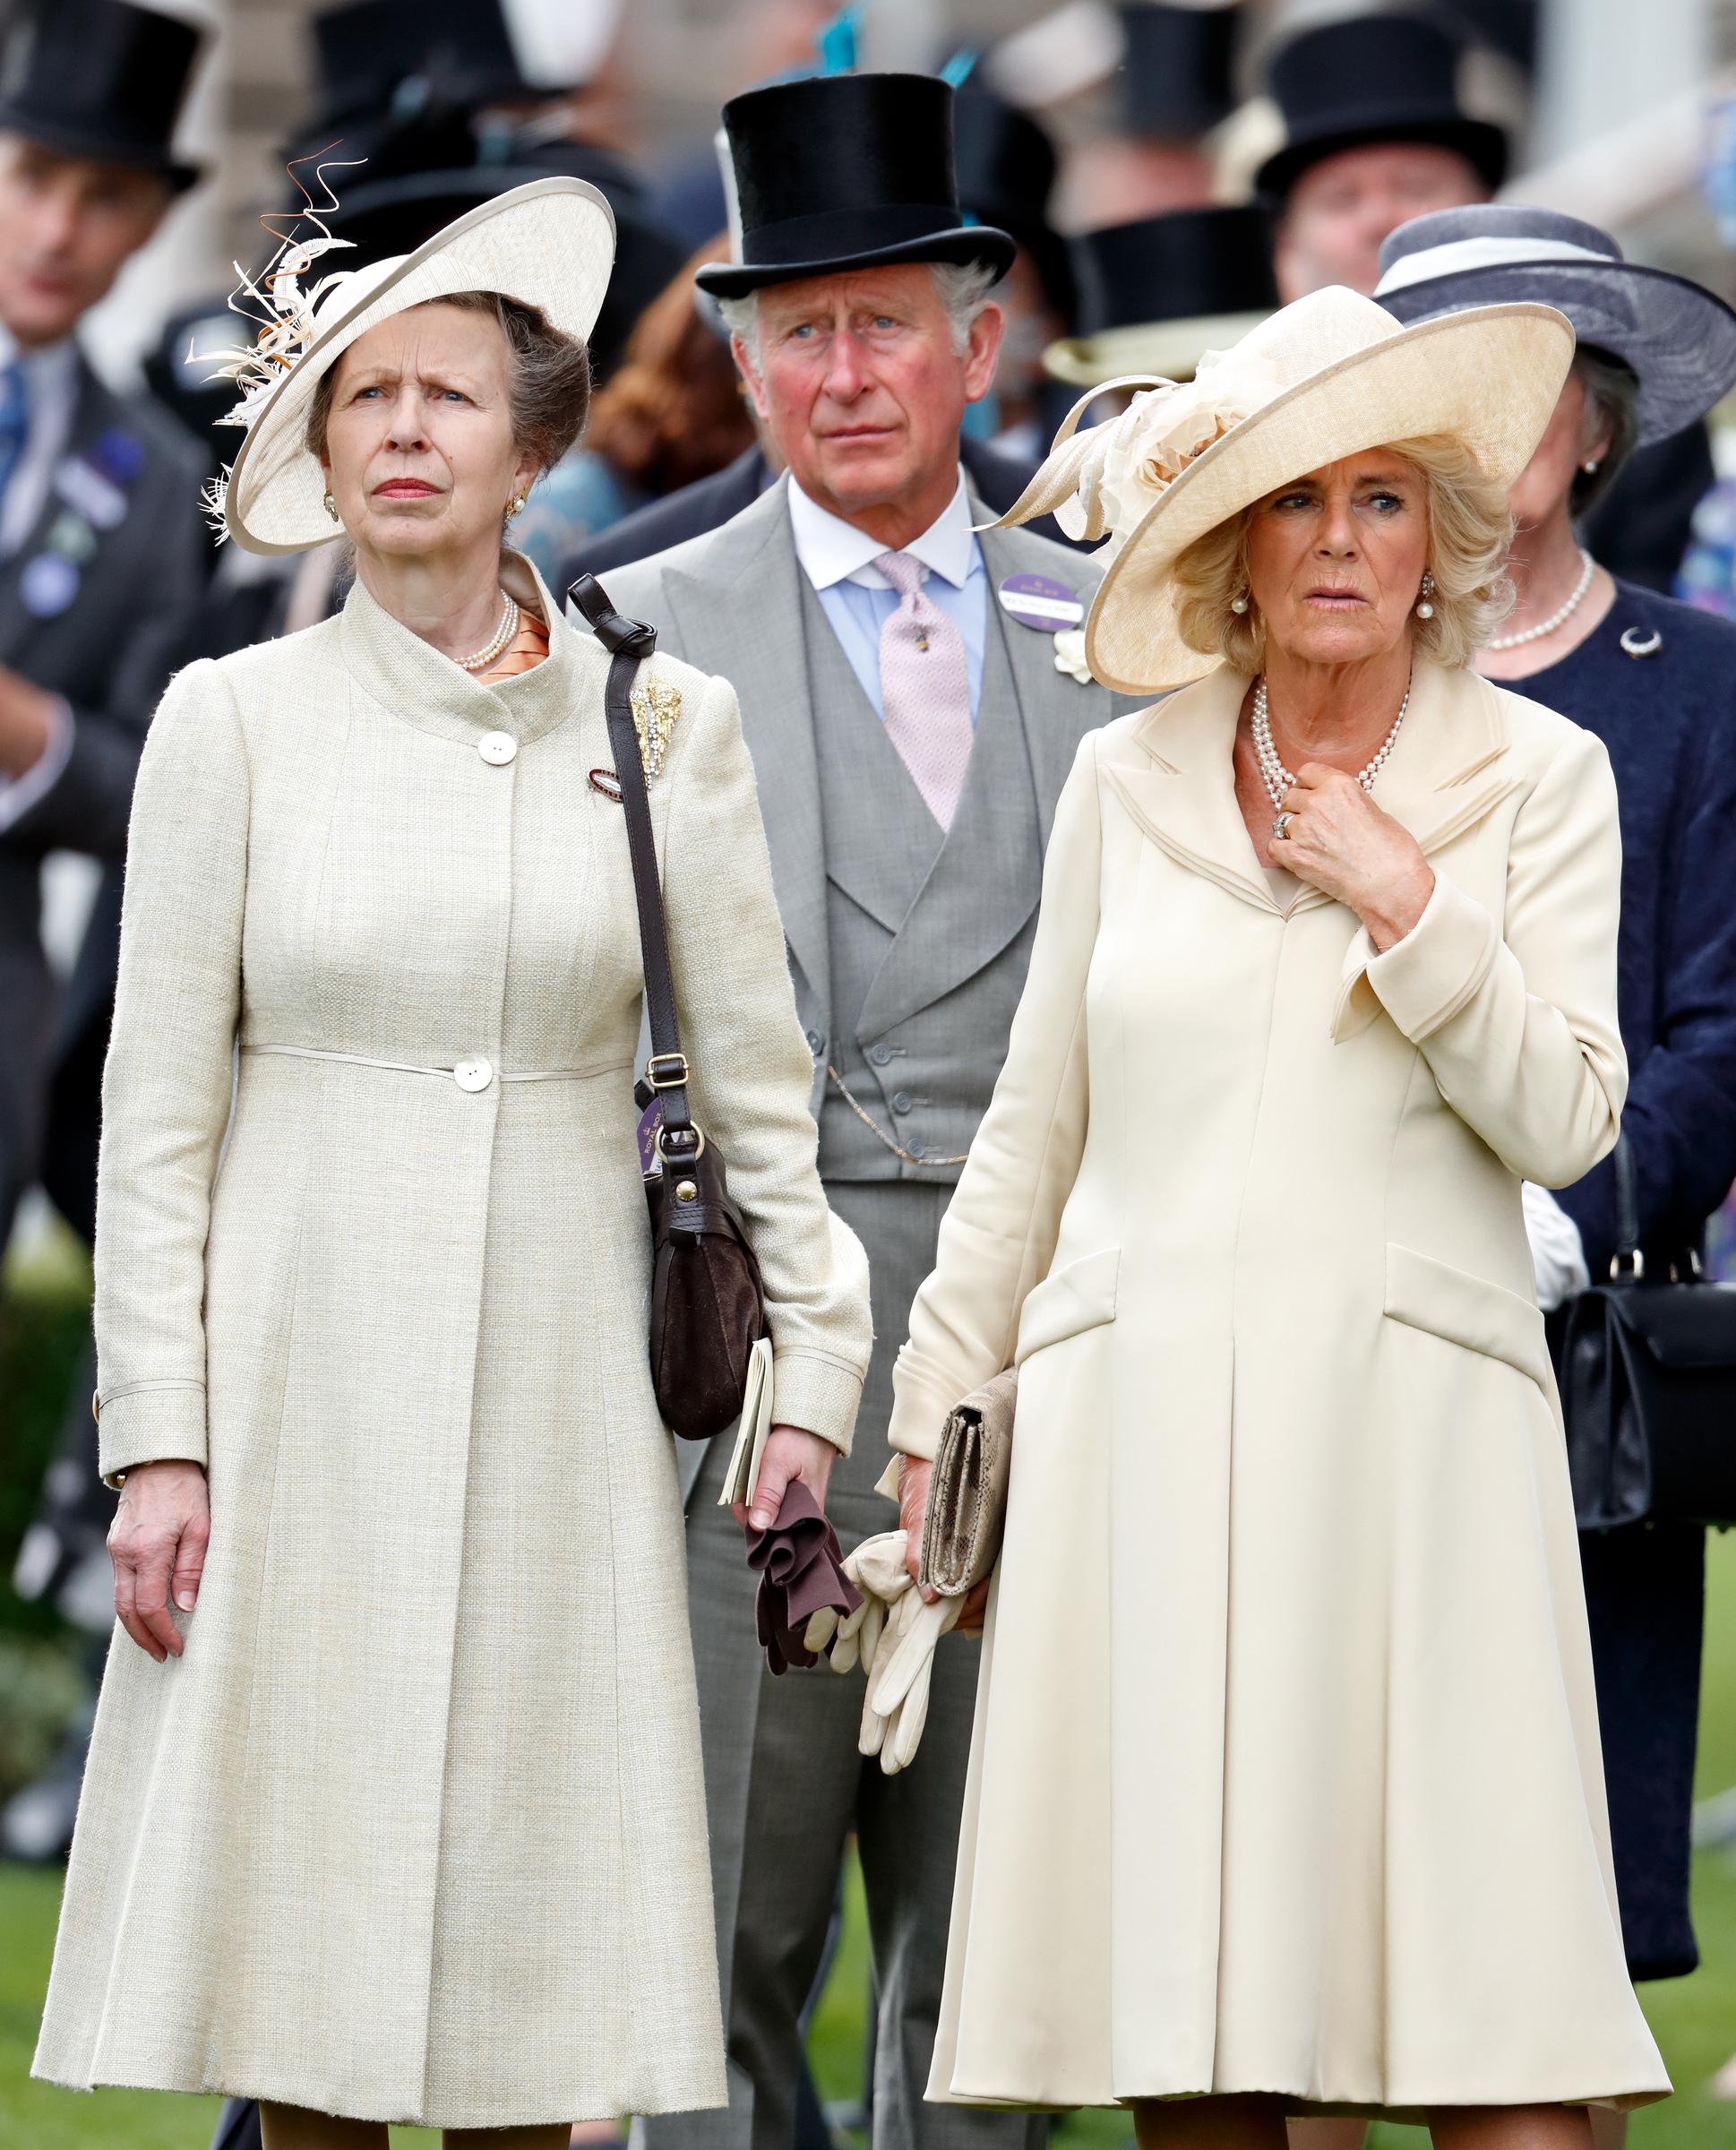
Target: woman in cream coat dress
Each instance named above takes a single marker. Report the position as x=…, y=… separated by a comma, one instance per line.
x=1286, y=1791
x=405, y=1821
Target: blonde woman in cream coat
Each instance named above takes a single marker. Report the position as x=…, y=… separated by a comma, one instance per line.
x=1286, y=1791
x=395, y=1813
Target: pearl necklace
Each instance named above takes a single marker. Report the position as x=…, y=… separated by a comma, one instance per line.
x=1555, y=619
x=480, y=659
x=1278, y=779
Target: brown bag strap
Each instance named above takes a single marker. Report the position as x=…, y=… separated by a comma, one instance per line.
x=629, y=642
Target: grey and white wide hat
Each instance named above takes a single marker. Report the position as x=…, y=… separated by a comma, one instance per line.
x=1678, y=337
x=549, y=244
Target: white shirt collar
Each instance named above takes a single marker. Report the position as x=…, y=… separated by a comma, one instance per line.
x=831, y=550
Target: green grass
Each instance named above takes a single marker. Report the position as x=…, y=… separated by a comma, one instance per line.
x=1694, y=2018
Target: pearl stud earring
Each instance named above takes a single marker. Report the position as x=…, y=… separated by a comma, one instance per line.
x=330, y=506
x=1424, y=608
x=1592, y=467
x=1238, y=603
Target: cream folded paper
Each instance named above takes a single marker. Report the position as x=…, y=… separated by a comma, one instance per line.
x=751, y=1429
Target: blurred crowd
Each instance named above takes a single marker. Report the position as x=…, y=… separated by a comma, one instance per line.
x=1171, y=174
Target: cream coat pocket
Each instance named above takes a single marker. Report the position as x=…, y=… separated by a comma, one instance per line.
x=1429, y=1294
x=1069, y=1301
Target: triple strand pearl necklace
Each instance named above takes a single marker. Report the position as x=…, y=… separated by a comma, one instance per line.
x=480, y=659
x=1278, y=779
x=1556, y=618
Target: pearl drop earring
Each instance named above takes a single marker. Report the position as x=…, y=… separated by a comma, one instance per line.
x=1238, y=603
x=330, y=507
x=1424, y=608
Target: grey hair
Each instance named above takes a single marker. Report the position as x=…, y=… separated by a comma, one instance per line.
x=962, y=288
x=1612, y=395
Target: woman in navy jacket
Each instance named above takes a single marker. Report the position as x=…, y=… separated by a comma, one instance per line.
x=1657, y=682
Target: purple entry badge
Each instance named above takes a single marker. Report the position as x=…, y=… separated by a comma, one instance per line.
x=1041, y=602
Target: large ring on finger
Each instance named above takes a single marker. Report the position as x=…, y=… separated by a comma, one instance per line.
x=1281, y=827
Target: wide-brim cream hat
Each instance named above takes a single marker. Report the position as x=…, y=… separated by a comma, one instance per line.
x=1328, y=376
x=549, y=244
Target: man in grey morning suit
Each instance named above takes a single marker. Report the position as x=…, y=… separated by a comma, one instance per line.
x=910, y=738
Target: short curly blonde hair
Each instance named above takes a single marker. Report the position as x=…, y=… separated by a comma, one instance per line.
x=1470, y=532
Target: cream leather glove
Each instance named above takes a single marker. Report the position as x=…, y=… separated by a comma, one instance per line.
x=895, y=1707
x=879, y=1571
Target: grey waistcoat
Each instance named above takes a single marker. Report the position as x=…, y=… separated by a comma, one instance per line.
x=898, y=893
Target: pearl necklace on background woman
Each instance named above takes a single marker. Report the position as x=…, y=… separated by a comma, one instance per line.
x=1278, y=779
x=1556, y=618
x=480, y=659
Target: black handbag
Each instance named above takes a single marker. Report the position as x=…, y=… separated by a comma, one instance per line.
x=708, y=1308
x=1648, y=1385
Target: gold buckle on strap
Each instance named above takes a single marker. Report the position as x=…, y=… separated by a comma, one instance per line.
x=658, y=1079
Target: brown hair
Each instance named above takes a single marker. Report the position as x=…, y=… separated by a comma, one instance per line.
x=1470, y=531
x=674, y=411
x=550, y=377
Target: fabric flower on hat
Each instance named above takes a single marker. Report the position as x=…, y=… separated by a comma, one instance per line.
x=1101, y=483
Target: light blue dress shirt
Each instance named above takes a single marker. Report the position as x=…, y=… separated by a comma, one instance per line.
x=857, y=599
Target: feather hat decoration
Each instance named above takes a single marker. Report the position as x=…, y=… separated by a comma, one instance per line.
x=284, y=310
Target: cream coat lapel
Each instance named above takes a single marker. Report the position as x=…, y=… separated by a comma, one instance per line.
x=1446, y=772
x=737, y=608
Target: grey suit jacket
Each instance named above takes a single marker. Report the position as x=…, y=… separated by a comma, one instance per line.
x=121, y=530
x=730, y=602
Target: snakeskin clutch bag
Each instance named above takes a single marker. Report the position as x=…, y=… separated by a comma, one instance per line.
x=967, y=1510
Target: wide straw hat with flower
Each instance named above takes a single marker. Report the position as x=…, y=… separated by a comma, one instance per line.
x=1328, y=377
x=549, y=244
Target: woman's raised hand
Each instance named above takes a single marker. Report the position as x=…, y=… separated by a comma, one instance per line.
x=1339, y=841
x=157, y=1543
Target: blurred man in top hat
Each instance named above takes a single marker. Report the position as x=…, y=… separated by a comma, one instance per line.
x=102, y=554
x=910, y=730
x=1171, y=88
x=1376, y=133
x=1157, y=294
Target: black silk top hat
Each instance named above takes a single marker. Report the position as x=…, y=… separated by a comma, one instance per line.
x=1006, y=167
x=1156, y=294
x=380, y=60
x=1673, y=334
x=847, y=171
x=1174, y=82
x=1373, y=79
x=98, y=78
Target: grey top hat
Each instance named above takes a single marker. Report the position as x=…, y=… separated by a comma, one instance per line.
x=1676, y=337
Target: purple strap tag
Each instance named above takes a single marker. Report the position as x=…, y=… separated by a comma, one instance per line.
x=650, y=1124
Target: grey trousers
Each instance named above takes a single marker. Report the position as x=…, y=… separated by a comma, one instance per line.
x=785, y=1785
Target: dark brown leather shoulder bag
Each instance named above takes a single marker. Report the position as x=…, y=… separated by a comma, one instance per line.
x=708, y=1308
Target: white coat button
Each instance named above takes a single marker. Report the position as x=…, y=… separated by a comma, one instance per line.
x=498, y=747
x=473, y=1074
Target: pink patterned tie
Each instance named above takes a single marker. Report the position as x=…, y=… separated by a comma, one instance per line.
x=924, y=688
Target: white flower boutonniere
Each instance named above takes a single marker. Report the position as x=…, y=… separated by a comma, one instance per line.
x=1069, y=656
